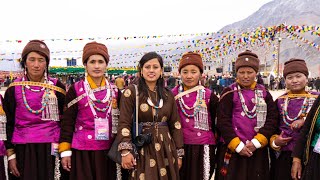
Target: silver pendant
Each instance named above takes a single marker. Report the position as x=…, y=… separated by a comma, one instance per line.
x=243, y=114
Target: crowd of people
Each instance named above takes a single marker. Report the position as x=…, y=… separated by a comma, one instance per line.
x=161, y=128
x=217, y=83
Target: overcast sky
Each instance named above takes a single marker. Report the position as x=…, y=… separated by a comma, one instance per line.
x=45, y=19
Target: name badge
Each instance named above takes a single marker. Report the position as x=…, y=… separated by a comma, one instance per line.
x=101, y=128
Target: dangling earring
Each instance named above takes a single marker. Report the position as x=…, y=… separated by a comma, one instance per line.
x=85, y=73
x=45, y=76
x=25, y=71
x=181, y=86
x=199, y=82
x=161, y=75
x=306, y=88
x=141, y=74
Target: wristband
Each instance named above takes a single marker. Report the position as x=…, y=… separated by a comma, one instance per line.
x=256, y=143
x=13, y=156
x=66, y=154
x=240, y=147
x=274, y=144
x=125, y=154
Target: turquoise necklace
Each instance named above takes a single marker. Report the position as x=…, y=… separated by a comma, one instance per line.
x=196, y=105
x=43, y=103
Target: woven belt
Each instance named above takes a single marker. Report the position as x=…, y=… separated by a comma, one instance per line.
x=39, y=84
x=76, y=100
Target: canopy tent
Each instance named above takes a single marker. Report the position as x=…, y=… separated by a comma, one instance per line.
x=80, y=70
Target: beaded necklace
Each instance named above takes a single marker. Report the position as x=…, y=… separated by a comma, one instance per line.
x=160, y=103
x=181, y=101
x=101, y=88
x=91, y=97
x=245, y=109
x=49, y=102
x=154, y=111
x=196, y=106
x=200, y=111
x=100, y=109
x=33, y=90
x=43, y=102
x=90, y=92
x=303, y=110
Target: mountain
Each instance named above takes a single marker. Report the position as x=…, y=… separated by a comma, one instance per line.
x=295, y=12
x=290, y=12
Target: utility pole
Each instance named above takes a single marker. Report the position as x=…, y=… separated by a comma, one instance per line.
x=279, y=38
x=278, y=63
x=265, y=65
x=279, y=43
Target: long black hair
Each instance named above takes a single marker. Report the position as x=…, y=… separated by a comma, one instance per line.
x=142, y=86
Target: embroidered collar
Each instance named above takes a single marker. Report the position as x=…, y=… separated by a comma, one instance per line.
x=303, y=92
x=252, y=86
x=93, y=84
x=186, y=88
x=304, y=109
x=291, y=95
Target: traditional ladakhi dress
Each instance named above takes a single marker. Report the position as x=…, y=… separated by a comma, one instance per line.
x=87, y=125
x=3, y=137
x=159, y=159
x=307, y=146
x=198, y=124
x=291, y=107
x=33, y=128
x=245, y=115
